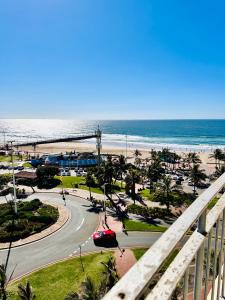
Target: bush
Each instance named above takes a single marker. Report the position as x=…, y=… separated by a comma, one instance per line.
x=48, y=183
x=32, y=205
x=148, y=212
x=32, y=217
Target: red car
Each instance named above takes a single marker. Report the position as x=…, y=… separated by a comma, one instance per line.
x=104, y=236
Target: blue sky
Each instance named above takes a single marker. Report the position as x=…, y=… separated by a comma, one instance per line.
x=112, y=59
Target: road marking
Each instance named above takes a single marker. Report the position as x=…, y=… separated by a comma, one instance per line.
x=80, y=225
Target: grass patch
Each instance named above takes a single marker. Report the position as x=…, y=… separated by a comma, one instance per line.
x=27, y=165
x=131, y=225
x=71, y=181
x=147, y=194
x=212, y=203
x=56, y=281
x=7, y=158
x=138, y=252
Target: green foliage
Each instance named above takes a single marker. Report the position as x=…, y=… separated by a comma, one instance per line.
x=4, y=179
x=56, y=281
x=131, y=225
x=25, y=292
x=148, y=212
x=212, y=203
x=32, y=217
x=139, y=252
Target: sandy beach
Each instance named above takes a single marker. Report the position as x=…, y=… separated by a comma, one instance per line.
x=208, y=164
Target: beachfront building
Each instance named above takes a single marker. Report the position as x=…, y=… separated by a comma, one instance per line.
x=76, y=160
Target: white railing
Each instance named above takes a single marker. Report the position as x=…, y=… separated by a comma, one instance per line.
x=197, y=270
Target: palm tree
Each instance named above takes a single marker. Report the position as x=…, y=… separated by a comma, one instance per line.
x=154, y=172
x=110, y=273
x=219, y=171
x=89, y=290
x=25, y=292
x=197, y=176
x=192, y=158
x=131, y=179
x=137, y=153
x=3, y=282
x=89, y=180
x=165, y=192
x=218, y=155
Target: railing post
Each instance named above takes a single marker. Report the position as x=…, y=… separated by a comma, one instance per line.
x=200, y=259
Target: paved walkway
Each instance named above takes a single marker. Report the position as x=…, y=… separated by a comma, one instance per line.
x=64, y=216
x=112, y=223
x=124, y=261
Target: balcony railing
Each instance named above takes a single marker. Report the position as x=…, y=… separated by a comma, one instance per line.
x=197, y=270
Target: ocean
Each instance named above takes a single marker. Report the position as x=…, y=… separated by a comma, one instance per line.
x=196, y=135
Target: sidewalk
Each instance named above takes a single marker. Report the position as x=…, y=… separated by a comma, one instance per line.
x=124, y=261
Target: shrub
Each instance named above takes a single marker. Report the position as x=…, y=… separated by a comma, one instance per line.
x=32, y=217
x=148, y=212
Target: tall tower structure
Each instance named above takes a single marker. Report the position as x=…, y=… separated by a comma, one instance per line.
x=98, y=144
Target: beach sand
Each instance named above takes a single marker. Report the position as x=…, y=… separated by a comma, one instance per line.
x=208, y=164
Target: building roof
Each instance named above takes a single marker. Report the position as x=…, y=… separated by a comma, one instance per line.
x=26, y=174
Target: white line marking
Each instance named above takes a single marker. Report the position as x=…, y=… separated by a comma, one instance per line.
x=80, y=225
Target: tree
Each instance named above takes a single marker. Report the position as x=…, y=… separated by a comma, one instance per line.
x=28, y=182
x=119, y=168
x=88, y=292
x=3, y=282
x=4, y=179
x=192, y=158
x=137, y=155
x=25, y=292
x=110, y=273
x=218, y=155
x=154, y=172
x=165, y=192
x=89, y=182
x=219, y=171
x=131, y=179
x=197, y=176
x=45, y=176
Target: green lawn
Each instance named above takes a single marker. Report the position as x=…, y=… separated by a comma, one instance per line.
x=147, y=195
x=138, y=252
x=27, y=165
x=7, y=158
x=69, y=181
x=131, y=225
x=56, y=281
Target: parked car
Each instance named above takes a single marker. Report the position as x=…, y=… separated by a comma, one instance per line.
x=105, y=236
x=20, y=168
x=64, y=173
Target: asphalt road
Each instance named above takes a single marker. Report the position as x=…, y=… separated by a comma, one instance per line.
x=65, y=242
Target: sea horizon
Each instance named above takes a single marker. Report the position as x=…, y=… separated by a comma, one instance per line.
x=177, y=134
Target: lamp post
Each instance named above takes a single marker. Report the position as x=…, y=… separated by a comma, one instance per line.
x=126, y=148
x=14, y=184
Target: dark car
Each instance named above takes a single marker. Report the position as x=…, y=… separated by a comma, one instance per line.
x=105, y=236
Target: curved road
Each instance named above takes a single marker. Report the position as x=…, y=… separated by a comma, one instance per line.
x=65, y=242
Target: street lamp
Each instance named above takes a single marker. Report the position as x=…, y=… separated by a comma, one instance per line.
x=126, y=148
x=14, y=184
